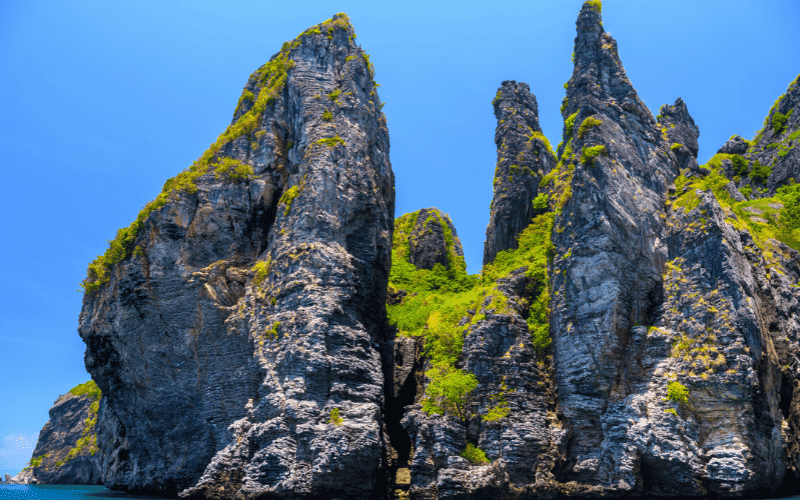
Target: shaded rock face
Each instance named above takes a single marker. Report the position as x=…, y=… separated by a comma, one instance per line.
x=776, y=144
x=428, y=241
x=68, y=422
x=251, y=316
x=523, y=157
x=736, y=145
x=681, y=132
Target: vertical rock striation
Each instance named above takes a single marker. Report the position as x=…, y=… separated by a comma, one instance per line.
x=524, y=155
x=236, y=339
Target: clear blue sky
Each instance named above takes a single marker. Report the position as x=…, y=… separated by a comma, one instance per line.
x=104, y=100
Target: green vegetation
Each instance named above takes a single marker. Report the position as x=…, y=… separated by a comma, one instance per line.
x=448, y=390
x=759, y=172
x=740, y=166
x=290, y=194
x=327, y=116
x=272, y=332
x=540, y=202
x=88, y=389
x=475, y=455
x=588, y=123
x=442, y=304
x=570, y=123
x=540, y=137
x=671, y=410
x=677, y=392
x=596, y=5
x=335, y=94
x=675, y=146
x=261, y=269
x=37, y=461
x=233, y=169
x=779, y=121
x=334, y=417
x=588, y=155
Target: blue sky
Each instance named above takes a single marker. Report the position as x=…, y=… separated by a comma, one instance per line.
x=104, y=100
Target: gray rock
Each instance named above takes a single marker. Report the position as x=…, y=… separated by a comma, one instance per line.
x=784, y=160
x=428, y=242
x=734, y=192
x=8, y=478
x=523, y=157
x=736, y=145
x=62, y=459
x=224, y=381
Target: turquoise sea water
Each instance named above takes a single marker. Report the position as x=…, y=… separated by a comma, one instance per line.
x=50, y=492
x=64, y=492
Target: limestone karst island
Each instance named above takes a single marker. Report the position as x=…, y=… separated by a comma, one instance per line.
x=267, y=329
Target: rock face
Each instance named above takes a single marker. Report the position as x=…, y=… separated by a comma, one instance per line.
x=432, y=235
x=775, y=146
x=237, y=342
x=66, y=452
x=635, y=330
x=523, y=156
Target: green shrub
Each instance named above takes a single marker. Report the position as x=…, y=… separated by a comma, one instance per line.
x=474, y=454
x=588, y=155
x=335, y=94
x=675, y=146
x=779, y=121
x=677, y=392
x=448, y=391
x=37, y=461
x=272, y=332
x=588, y=123
x=327, y=116
x=570, y=123
x=261, y=269
x=671, y=410
x=540, y=202
x=88, y=389
x=288, y=196
x=233, y=169
x=747, y=191
x=497, y=413
x=740, y=165
x=759, y=173
x=334, y=417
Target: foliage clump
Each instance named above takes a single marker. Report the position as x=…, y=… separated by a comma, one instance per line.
x=261, y=269
x=88, y=389
x=475, y=455
x=740, y=166
x=448, y=390
x=588, y=155
x=677, y=392
x=759, y=172
x=288, y=196
x=587, y=124
x=596, y=5
x=334, y=417
x=233, y=169
x=779, y=121
x=570, y=123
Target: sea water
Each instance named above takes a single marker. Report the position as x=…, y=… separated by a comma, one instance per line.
x=64, y=492
x=69, y=492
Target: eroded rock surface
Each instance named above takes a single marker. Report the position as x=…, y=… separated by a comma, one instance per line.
x=66, y=452
x=237, y=346
x=524, y=156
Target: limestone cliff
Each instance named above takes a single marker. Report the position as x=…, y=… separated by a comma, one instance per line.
x=233, y=327
x=66, y=452
x=634, y=331
x=524, y=156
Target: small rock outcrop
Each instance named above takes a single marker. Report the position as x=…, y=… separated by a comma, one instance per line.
x=235, y=334
x=66, y=452
x=433, y=240
x=524, y=156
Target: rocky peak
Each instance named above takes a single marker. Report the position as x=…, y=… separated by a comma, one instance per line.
x=775, y=146
x=431, y=238
x=236, y=320
x=736, y=145
x=524, y=155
